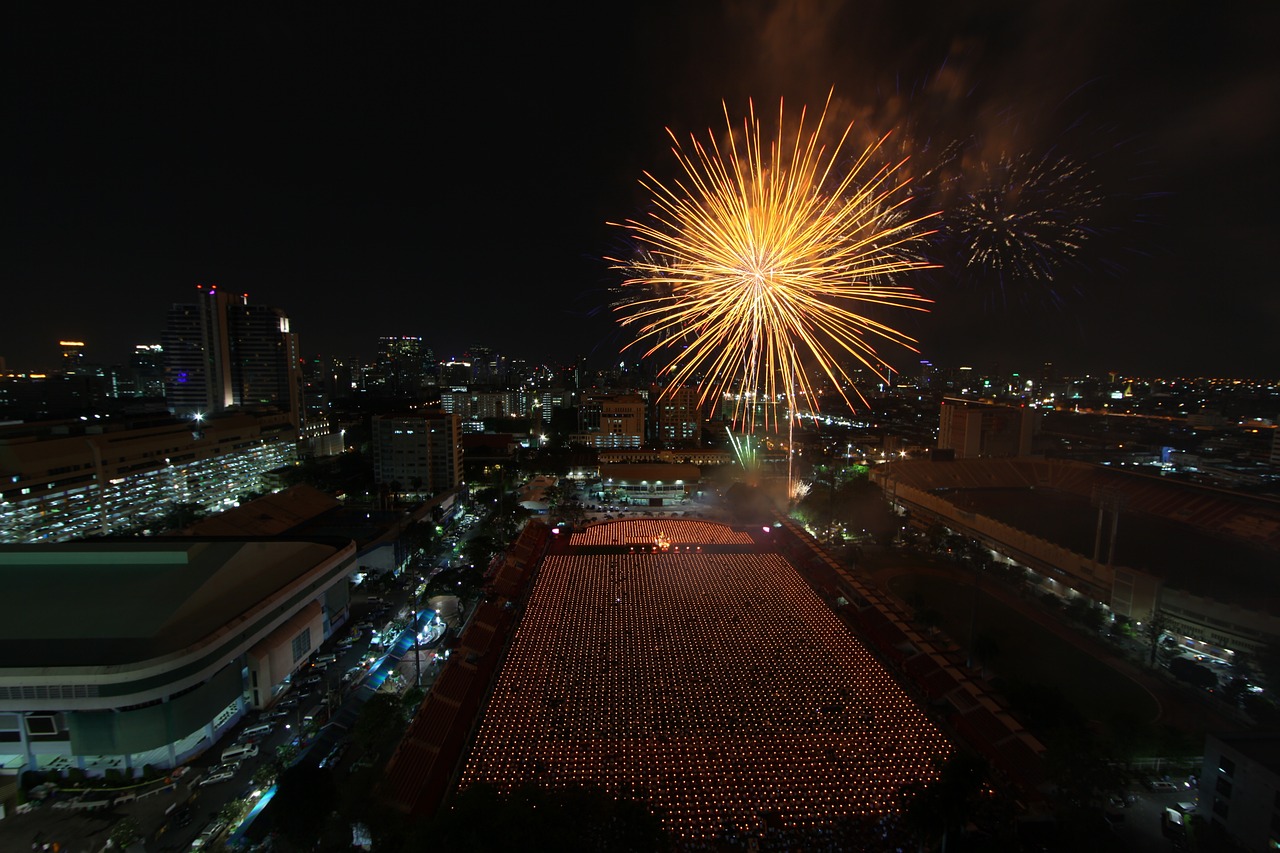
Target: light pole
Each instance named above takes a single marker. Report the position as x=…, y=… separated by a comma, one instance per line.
x=417, y=656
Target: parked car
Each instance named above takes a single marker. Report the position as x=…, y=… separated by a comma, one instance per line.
x=214, y=778
x=334, y=756
x=209, y=835
x=1159, y=786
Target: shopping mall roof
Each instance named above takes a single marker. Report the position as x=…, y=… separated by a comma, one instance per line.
x=116, y=602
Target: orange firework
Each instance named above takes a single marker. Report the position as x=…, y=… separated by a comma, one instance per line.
x=751, y=264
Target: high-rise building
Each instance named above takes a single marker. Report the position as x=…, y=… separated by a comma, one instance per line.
x=677, y=417
x=145, y=375
x=403, y=368
x=221, y=352
x=420, y=450
x=487, y=367
x=72, y=355
x=455, y=373
x=980, y=430
x=611, y=421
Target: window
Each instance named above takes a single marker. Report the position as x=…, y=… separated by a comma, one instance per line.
x=1226, y=765
x=301, y=645
x=1224, y=787
x=41, y=725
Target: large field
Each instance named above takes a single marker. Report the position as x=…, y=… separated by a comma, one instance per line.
x=718, y=685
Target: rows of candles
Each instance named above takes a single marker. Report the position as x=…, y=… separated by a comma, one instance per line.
x=719, y=686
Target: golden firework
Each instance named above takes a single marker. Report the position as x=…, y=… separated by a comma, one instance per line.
x=751, y=264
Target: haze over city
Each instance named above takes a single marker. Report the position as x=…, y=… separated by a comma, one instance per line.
x=452, y=175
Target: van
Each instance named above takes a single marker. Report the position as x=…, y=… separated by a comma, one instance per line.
x=260, y=730
x=239, y=751
x=325, y=660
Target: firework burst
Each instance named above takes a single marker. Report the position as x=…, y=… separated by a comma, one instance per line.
x=1028, y=220
x=752, y=263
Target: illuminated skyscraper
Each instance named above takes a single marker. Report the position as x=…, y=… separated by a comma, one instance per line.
x=72, y=356
x=221, y=352
x=404, y=367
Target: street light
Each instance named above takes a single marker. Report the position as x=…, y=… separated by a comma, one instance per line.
x=417, y=656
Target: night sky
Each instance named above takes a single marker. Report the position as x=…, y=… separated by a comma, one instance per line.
x=449, y=173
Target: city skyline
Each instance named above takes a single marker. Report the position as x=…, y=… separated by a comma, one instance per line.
x=350, y=170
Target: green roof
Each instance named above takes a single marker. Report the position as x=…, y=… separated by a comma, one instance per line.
x=104, y=603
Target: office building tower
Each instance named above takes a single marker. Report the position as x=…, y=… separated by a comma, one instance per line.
x=487, y=367
x=976, y=430
x=145, y=375
x=221, y=352
x=72, y=356
x=404, y=366
x=677, y=417
x=455, y=373
x=611, y=421
x=420, y=450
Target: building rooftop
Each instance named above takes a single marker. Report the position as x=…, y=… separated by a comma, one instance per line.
x=105, y=603
x=1262, y=747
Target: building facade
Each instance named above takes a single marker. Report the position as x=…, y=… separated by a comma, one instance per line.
x=68, y=480
x=610, y=421
x=976, y=431
x=419, y=450
x=677, y=417
x=220, y=352
x=1240, y=787
x=161, y=646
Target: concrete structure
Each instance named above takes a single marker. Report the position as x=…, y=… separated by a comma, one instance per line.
x=1240, y=787
x=403, y=368
x=220, y=351
x=607, y=421
x=66, y=480
x=303, y=512
x=1202, y=557
x=704, y=456
x=419, y=451
x=977, y=430
x=677, y=417
x=648, y=484
x=135, y=652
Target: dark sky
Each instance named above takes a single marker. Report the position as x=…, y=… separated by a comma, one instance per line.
x=449, y=173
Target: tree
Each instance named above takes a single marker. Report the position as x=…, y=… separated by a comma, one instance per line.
x=412, y=699
x=381, y=719
x=265, y=775
x=304, y=792
x=1155, y=629
x=933, y=810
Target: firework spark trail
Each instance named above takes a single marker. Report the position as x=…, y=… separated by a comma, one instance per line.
x=756, y=256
